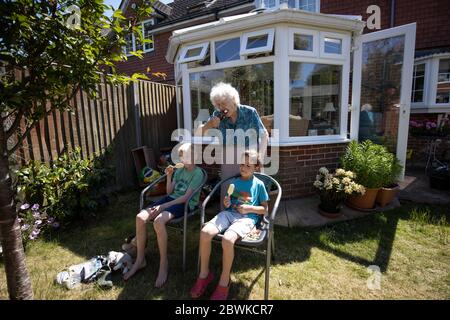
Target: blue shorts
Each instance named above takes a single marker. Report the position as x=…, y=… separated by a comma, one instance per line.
x=177, y=209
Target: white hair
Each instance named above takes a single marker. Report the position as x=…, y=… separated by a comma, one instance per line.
x=224, y=91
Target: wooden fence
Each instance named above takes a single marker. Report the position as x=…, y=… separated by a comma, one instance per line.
x=122, y=117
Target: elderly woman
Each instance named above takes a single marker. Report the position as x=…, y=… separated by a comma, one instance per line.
x=230, y=114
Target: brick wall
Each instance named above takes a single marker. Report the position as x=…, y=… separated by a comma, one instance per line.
x=299, y=166
x=433, y=28
x=154, y=60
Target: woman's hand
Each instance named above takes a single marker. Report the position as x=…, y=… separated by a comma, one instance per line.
x=213, y=123
x=169, y=171
x=226, y=201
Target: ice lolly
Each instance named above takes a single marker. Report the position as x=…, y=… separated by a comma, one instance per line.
x=230, y=190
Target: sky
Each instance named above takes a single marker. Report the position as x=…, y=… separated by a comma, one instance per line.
x=116, y=3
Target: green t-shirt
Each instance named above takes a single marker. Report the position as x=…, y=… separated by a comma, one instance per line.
x=185, y=180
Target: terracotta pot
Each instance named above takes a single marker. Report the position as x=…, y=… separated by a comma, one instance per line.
x=386, y=195
x=366, y=201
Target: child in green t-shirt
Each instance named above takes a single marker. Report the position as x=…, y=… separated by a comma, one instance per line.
x=179, y=188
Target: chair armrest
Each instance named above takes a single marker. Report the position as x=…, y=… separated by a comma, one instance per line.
x=141, y=202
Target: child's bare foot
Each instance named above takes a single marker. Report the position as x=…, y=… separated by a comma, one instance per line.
x=162, y=276
x=138, y=265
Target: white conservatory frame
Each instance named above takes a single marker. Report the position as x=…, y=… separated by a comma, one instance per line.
x=284, y=22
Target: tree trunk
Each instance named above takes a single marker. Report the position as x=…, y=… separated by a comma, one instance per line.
x=18, y=280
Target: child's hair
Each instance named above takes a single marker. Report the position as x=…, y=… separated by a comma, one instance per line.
x=187, y=149
x=253, y=156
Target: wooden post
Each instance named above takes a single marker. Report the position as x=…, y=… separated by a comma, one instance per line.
x=136, y=113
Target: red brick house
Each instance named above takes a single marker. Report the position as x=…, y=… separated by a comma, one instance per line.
x=308, y=62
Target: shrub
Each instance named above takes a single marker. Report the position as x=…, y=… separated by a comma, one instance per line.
x=373, y=164
x=69, y=188
x=34, y=222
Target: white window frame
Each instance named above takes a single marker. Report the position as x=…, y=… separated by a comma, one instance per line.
x=152, y=37
x=345, y=45
x=267, y=48
x=201, y=56
x=425, y=85
x=308, y=32
x=435, y=81
x=133, y=39
x=429, y=104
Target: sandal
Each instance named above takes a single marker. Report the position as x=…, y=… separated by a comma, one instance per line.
x=200, y=286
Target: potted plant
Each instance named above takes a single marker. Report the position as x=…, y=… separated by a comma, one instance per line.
x=369, y=162
x=334, y=189
x=390, y=187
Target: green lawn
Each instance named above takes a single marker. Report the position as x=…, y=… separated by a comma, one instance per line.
x=410, y=245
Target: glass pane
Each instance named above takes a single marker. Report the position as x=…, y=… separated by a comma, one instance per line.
x=381, y=74
x=418, y=83
x=315, y=99
x=269, y=3
x=303, y=42
x=129, y=41
x=228, y=50
x=257, y=41
x=308, y=5
x=291, y=3
x=194, y=52
x=200, y=63
x=148, y=35
x=443, y=86
x=254, y=84
x=333, y=45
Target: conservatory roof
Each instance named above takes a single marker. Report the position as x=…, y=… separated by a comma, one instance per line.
x=258, y=19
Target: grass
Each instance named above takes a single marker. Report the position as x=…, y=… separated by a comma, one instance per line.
x=410, y=245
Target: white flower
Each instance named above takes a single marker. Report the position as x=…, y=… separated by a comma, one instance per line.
x=323, y=170
x=340, y=171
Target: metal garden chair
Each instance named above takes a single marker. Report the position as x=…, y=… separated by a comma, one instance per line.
x=172, y=224
x=266, y=238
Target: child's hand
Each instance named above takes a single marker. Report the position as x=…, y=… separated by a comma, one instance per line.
x=226, y=201
x=155, y=211
x=169, y=171
x=244, y=208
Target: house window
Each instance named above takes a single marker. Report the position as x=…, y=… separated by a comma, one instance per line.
x=129, y=39
x=418, y=83
x=303, y=42
x=255, y=84
x=194, y=52
x=307, y=5
x=260, y=41
x=146, y=29
x=443, y=83
x=333, y=46
x=133, y=44
x=315, y=95
x=227, y=50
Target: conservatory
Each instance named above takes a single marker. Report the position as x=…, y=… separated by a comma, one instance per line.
x=295, y=67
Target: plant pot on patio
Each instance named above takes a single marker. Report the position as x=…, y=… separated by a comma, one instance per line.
x=330, y=212
x=366, y=201
x=386, y=195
